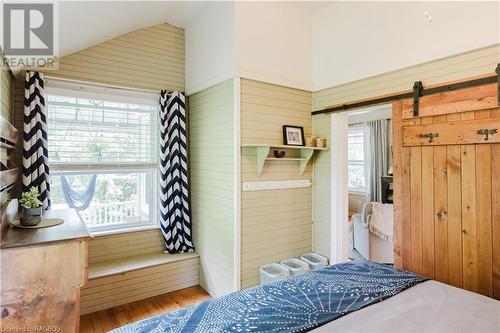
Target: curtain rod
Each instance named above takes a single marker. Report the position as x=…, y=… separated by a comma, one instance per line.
x=423, y=92
x=50, y=77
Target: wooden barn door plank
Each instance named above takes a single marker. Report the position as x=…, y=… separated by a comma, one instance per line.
x=495, y=197
x=416, y=209
x=406, y=213
x=469, y=217
x=453, y=162
x=495, y=211
x=428, y=212
x=483, y=203
x=398, y=189
x=441, y=214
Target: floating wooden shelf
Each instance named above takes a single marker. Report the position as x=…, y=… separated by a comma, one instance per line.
x=262, y=152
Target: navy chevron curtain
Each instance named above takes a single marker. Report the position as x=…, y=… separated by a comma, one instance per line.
x=175, y=215
x=35, y=153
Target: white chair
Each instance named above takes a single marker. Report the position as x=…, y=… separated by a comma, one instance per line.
x=366, y=243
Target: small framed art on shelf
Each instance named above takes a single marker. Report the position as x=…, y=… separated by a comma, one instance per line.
x=293, y=135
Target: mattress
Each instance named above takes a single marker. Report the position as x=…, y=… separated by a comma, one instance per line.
x=430, y=306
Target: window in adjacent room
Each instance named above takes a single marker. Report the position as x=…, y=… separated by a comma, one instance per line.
x=356, y=158
x=103, y=154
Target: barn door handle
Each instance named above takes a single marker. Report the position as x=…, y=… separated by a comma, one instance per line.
x=486, y=132
x=429, y=136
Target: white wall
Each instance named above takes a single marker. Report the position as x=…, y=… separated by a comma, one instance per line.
x=264, y=41
x=355, y=40
x=210, y=48
x=274, y=43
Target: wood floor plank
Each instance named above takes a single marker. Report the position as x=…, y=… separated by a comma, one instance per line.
x=105, y=320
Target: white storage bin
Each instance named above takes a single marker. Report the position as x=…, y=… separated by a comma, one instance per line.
x=296, y=266
x=273, y=272
x=314, y=260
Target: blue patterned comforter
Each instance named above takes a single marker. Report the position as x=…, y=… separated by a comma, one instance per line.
x=296, y=304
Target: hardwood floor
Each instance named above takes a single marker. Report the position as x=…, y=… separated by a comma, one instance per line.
x=105, y=320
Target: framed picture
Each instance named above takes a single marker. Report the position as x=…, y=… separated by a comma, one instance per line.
x=293, y=135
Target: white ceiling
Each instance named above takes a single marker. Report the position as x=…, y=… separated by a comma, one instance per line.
x=86, y=23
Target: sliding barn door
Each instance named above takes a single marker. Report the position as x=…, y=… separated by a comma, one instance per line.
x=447, y=188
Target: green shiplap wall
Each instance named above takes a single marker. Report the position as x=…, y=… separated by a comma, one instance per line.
x=459, y=67
x=322, y=189
x=275, y=224
x=211, y=151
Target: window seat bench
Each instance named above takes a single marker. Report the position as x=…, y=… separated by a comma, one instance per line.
x=125, y=268
x=142, y=261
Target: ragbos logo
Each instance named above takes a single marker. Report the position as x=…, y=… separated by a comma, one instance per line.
x=29, y=34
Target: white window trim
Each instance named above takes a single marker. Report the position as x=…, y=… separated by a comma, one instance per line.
x=87, y=90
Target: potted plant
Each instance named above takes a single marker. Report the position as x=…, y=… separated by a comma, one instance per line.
x=32, y=207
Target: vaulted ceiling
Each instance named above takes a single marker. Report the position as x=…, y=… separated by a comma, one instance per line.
x=86, y=23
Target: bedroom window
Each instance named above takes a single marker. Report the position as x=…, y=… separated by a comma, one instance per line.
x=356, y=158
x=103, y=154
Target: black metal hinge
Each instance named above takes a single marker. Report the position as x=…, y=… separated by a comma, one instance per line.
x=429, y=136
x=417, y=92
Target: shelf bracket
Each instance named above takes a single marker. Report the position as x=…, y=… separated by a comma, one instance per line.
x=262, y=153
x=306, y=155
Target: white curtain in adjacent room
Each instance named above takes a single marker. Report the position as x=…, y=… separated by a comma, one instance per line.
x=377, y=155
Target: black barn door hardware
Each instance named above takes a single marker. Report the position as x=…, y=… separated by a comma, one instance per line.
x=486, y=132
x=429, y=136
x=422, y=92
x=417, y=92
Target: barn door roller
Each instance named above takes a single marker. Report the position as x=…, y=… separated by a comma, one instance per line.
x=417, y=92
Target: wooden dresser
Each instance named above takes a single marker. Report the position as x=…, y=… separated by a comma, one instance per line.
x=42, y=271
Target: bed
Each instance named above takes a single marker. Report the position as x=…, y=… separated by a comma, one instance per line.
x=359, y=296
